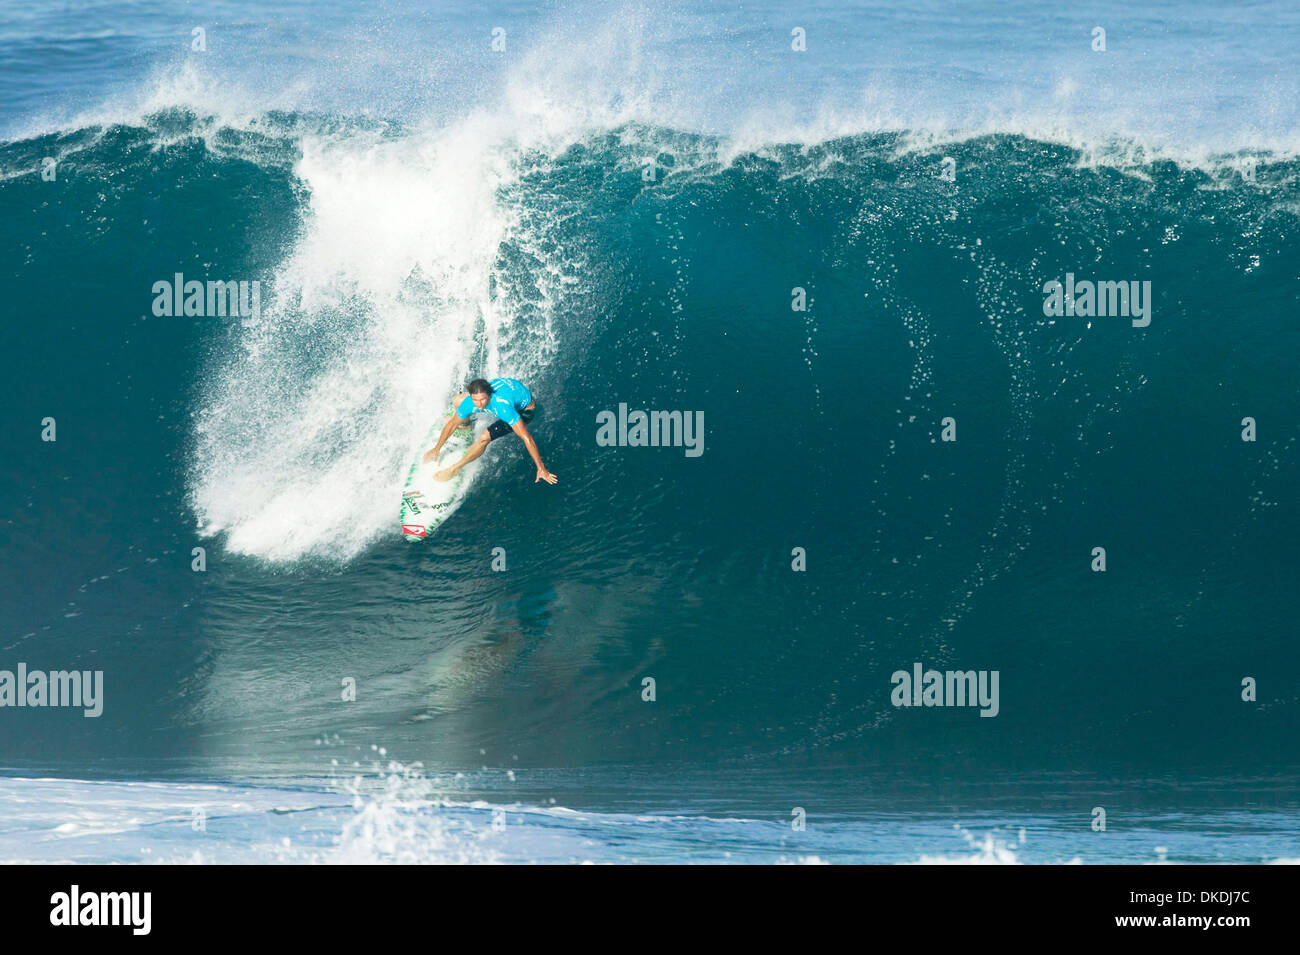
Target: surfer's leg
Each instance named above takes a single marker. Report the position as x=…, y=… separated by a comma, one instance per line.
x=477, y=448
x=498, y=429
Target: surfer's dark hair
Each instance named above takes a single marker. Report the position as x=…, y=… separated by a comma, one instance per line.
x=479, y=386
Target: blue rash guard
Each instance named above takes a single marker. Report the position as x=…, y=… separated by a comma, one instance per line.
x=509, y=397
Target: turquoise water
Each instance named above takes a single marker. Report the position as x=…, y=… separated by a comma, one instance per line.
x=619, y=208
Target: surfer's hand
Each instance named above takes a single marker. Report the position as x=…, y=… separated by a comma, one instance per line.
x=545, y=475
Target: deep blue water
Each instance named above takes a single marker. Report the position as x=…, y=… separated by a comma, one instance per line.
x=619, y=208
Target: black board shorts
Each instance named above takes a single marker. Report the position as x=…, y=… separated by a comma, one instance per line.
x=499, y=429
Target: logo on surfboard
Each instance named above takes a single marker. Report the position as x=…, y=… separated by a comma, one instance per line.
x=414, y=530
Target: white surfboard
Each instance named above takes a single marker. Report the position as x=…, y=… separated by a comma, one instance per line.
x=426, y=503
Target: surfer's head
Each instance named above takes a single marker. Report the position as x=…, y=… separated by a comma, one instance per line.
x=480, y=392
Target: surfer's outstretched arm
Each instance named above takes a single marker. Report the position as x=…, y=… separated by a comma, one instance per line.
x=521, y=429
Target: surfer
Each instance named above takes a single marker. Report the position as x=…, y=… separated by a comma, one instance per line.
x=512, y=403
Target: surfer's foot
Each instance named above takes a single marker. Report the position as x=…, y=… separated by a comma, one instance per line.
x=446, y=474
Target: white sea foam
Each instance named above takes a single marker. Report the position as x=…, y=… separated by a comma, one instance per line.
x=306, y=432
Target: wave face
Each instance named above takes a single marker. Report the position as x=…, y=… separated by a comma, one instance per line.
x=831, y=295
x=397, y=262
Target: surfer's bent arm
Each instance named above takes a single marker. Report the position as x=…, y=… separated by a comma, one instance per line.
x=452, y=424
x=521, y=429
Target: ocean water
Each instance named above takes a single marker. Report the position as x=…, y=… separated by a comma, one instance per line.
x=626, y=205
